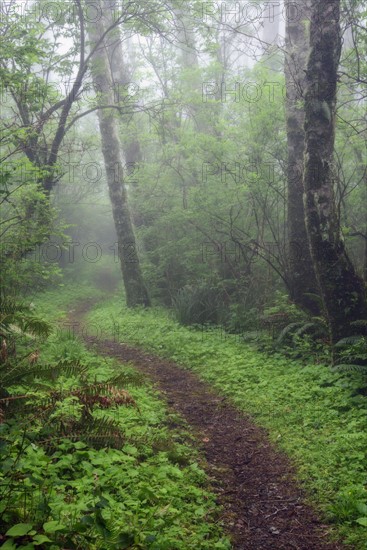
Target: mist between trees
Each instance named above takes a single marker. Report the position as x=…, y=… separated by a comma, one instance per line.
x=93, y=172
x=71, y=252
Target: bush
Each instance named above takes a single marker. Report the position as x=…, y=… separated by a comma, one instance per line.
x=198, y=304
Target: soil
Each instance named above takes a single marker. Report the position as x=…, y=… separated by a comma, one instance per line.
x=263, y=505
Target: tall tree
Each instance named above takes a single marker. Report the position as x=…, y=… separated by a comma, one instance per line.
x=136, y=292
x=343, y=292
x=301, y=277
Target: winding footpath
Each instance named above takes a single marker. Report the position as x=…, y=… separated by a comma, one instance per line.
x=263, y=506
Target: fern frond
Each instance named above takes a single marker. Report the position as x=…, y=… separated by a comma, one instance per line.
x=350, y=367
x=349, y=340
x=127, y=379
x=13, y=374
x=64, y=368
x=305, y=328
x=287, y=332
x=35, y=326
x=359, y=323
x=14, y=405
x=314, y=328
x=16, y=316
x=104, y=395
x=96, y=432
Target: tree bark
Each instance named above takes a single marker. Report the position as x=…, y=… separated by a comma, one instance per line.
x=301, y=277
x=122, y=79
x=136, y=292
x=343, y=292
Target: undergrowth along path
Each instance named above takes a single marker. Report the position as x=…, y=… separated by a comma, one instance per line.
x=263, y=506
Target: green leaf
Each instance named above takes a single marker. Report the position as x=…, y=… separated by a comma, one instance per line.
x=39, y=539
x=130, y=450
x=361, y=506
x=19, y=530
x=8, y=545
x=52, y=526
x=362, y=521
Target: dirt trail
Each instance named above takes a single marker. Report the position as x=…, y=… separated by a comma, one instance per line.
x=263, y=507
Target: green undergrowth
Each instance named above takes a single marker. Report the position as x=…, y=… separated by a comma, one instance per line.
x=149, y=492
x=317, y=416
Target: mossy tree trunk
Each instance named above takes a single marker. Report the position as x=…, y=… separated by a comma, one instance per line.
x=301, y=277
x=343, y=292
x=136, y=292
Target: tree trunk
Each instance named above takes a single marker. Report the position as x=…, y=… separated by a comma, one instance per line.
x=343, y=292
x=136, y=293
x=301, y=276
x=122, y=84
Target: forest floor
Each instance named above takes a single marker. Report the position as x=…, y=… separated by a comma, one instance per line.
x=263, y=505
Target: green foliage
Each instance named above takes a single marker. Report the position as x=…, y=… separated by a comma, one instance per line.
x=304, y=340
x=28, y=219
x=294, y=333
x=197, y=304
x=38, y=391
x=18, y=317
x=241, y=318
x=19, y=327
x=352, y=356
x=281, y=304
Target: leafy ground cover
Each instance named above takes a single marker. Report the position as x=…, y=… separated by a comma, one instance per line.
x=317, y=416
x=148, y=492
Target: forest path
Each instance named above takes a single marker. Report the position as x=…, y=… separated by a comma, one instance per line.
x=263, y=506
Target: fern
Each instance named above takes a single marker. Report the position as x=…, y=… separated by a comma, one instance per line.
x=105, y=395
x=79, y=421
x=350, y=367
x=17, y=320
x=96, y=432
x=287, y=331
x=353, y=354
x=33, y=325
x=310, y=327
x=99, y=432
x=60, y=413
x=11, y=374
x=361, y=323
x=16, y=317
x=349, y=341
x=198, y=304
x=126, y=379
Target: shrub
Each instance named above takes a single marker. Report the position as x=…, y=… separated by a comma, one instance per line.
x=198, y=304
